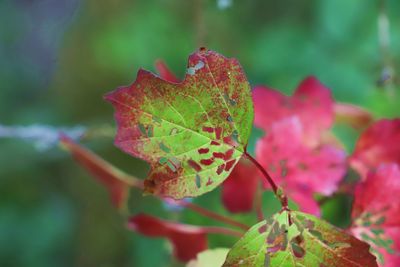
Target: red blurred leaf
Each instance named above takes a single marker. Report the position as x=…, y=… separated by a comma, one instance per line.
x=300, y=170
x=238, y=191
x=187, y=240
x=117, y=182
x=192, y=133
x=380, y=143
x=376, y=213
x=165, y=72
x=311, y=102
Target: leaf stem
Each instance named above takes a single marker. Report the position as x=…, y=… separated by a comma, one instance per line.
x=212, y=215
x=277, y=191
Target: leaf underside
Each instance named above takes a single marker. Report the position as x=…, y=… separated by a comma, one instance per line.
x=192, y=133
x=307, y=242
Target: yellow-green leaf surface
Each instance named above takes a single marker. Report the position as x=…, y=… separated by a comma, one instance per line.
x=209, y=258
x=305, y=242
x=192, y=133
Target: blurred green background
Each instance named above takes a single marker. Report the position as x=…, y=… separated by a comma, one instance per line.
x=59, y=57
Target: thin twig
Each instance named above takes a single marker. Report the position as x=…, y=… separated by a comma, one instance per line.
x=212, y=215
x=278, y=193
x=221, y=230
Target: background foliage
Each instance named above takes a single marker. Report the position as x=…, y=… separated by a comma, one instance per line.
x=58, y=57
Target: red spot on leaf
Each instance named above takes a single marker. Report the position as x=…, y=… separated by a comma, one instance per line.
x=194, y=165
x=218, y=132
x=219, y=155
x=220, y=169
x=229, y=165
x=207, y=162
x=203, y=150
x=215, y=143
x=208, y=129
x=225, y=156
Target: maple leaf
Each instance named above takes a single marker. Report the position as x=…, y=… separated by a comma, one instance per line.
x=375, y=214
x=311, y=102
x=187, y=240
x=192, y=133
x=306, y=241
x=238, y=191
x=117, y=182
x=300, y=170
x=380, y=143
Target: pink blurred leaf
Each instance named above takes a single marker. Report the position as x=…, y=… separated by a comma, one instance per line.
x=380, y=143
x=311, y=102
x=298, y=168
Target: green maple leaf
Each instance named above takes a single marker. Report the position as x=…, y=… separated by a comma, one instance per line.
x=192, y=133
x=306, y=242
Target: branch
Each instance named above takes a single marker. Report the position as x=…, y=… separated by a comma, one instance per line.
x=277, y=191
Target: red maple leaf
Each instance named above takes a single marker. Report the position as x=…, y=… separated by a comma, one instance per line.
x=299, y=169
x=187, y=240
x=380, y=143
x=292, y=151
x=311, y=102
x=375, y=214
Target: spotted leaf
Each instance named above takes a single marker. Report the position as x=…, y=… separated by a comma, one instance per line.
x=306, y=242
x=192, y=133
x=376, y=210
